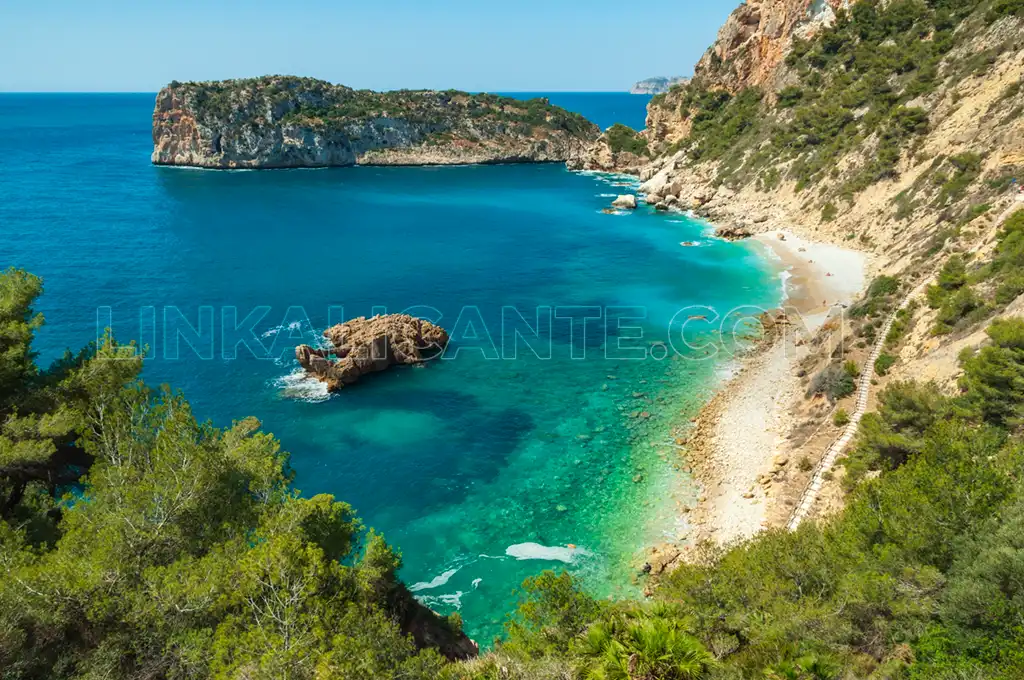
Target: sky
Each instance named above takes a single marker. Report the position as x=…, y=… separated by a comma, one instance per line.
x=519, y=45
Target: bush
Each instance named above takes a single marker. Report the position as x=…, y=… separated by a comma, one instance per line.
x=955, y=309
x=834, y=382
x=952, y=277
x=993, y=379
x=883, y=285
x=829, y=212
x=624, y=138
x=851, y=368
x=790, y=97
x=841, y=418
x=953, y=274
x=883, y=363
x=1007, y=267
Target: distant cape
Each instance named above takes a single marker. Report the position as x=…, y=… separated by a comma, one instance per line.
x=657, y=85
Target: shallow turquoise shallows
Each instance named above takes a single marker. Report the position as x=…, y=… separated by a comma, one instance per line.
x=460, y=462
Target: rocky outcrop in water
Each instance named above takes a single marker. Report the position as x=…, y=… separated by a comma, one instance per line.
x=627, y=201
x=290, y=122
x=362, y=346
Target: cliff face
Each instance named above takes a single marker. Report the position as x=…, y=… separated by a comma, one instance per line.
x=892, y=122
x=749, y=52
x=755, y=38
x=287, y=122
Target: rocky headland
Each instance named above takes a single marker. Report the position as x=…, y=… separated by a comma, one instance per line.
x=362, y=346
x=291, y=122
x=657, y=85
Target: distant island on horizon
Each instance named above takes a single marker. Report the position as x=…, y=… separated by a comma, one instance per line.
x=657, y=84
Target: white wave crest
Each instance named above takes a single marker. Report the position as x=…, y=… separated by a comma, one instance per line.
x=293, y=326
x=536, y=551
x=436, y=582
x=300, y=386
x=445, y=600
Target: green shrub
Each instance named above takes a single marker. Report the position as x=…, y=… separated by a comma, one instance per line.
x=1007, y=267
x=841, y=418
x=832, y=381
x=829, y=212
x=993, y=379
x=955, y=308
x=790, y=97
x=622, y=138
x=883, y=363
x=883, y=285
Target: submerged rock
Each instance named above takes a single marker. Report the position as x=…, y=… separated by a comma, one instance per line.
x=362, y=346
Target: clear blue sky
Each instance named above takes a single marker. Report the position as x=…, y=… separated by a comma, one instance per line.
x=140, y=45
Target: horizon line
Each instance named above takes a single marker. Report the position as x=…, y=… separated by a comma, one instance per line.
x=489, y=91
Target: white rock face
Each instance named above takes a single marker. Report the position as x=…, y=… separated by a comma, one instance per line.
x=627, y=201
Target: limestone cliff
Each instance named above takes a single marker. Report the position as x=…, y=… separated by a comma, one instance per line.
x=288, y=122
x=750, y=49
x=888, y=122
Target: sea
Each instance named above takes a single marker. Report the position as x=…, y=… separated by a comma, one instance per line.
x=583, y=341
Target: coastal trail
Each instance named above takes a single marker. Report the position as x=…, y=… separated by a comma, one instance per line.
x=838, y=446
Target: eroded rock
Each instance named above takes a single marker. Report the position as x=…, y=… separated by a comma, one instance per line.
x=362, y=346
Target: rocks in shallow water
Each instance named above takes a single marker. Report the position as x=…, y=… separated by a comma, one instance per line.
x=733, y=233
x=627, y=201
x=362, y=346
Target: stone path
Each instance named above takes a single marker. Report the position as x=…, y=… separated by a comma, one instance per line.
x=836, y=448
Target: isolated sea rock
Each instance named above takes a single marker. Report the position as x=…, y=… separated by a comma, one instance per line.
x=627, y=201
x=290, y=122
x=362, y=346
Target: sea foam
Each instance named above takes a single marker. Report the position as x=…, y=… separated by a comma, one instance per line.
x=300, y=386
x=536, y=551
x=436, y=582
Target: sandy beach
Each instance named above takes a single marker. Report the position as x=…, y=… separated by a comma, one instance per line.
x=738, y=438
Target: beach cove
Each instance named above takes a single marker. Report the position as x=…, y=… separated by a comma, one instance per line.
x=481, y=470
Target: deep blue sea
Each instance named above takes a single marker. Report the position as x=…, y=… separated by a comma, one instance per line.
x=458, y=461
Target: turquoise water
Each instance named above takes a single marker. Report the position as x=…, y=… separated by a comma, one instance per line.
x=603, y=108
x=456, y=461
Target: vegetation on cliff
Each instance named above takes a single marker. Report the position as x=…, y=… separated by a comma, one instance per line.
x=317, y=103
x=624, y=138
x=852, y=100
x=276, y=121
x=138, y=542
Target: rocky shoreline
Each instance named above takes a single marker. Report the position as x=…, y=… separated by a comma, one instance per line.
x=738, y=445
